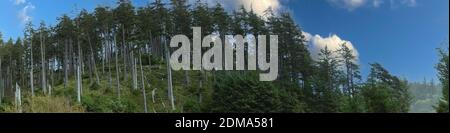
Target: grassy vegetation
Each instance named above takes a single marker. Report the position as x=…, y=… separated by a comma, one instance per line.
x=101, y=98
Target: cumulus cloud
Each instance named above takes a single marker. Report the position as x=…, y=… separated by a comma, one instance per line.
x=377, y=3
x=258, y=6
x=332, y=42
x=26, y=8
x=409, y=3
x=348, y=4
x=24, y=13
x=355, y=4
x=19, y=2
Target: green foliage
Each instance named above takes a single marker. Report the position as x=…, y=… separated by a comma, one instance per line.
x=245, y=93
x=384, y=93
x=43, y=104
x=442, y=68
x=96, y=103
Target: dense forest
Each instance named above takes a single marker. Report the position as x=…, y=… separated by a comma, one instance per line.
x=115, y=59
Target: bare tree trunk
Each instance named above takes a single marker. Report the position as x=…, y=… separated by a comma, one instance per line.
x=7, y=80
x=104, y=53
x=66, y=64
x=149, y=52
x=107, y=57
x=134, y=71
x=124, y=54
x=78, y=83
x=143, y=83
x=52, y=78
x=18, y=99
x=108, y=62
x=169, y=76
x=97, y=79
x=117, y=72
x=43, y=78
x=49, y=90
x=31, y=68
x=72, y=56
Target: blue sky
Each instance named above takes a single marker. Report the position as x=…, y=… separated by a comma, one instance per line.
x=402, y=35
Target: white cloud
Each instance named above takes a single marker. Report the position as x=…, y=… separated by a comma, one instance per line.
x=377, y=3
x=355, y=4
x=19, y=2
x=410, y=3
x=332, y=42
x=24, y=13
x=348, y=4
x=258, y=6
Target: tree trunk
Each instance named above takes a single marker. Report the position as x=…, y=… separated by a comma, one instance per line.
x=18, y=99
x=124, y=54
x=104, y=54
x=97, y=79
x=108, y=57
x=169, y=76
x=186, y=77
x=79, y=80
x=66, y=64
x=31, y=68
x=143, y=83
x=52, y=81
x=149, y=52
x=78, y=83
x=134, y=71
x=117, y=72
x=43, y=78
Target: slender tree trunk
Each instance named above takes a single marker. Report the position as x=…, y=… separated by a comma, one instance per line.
x=31, y=67
x=149, y=51
x=18, y=99
x=124, y=54
x=79, y=80
x=169, y=76
x=78, y=83
x=97, y=79
x=134, y=72
x=104, y=53
x=7, y=80
x=66, y=64
x=108, y=57
x=108, y=62
x=117, y=72
x=71, y=54
x=143, y=83
x=43, y=78
x=52, y=81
